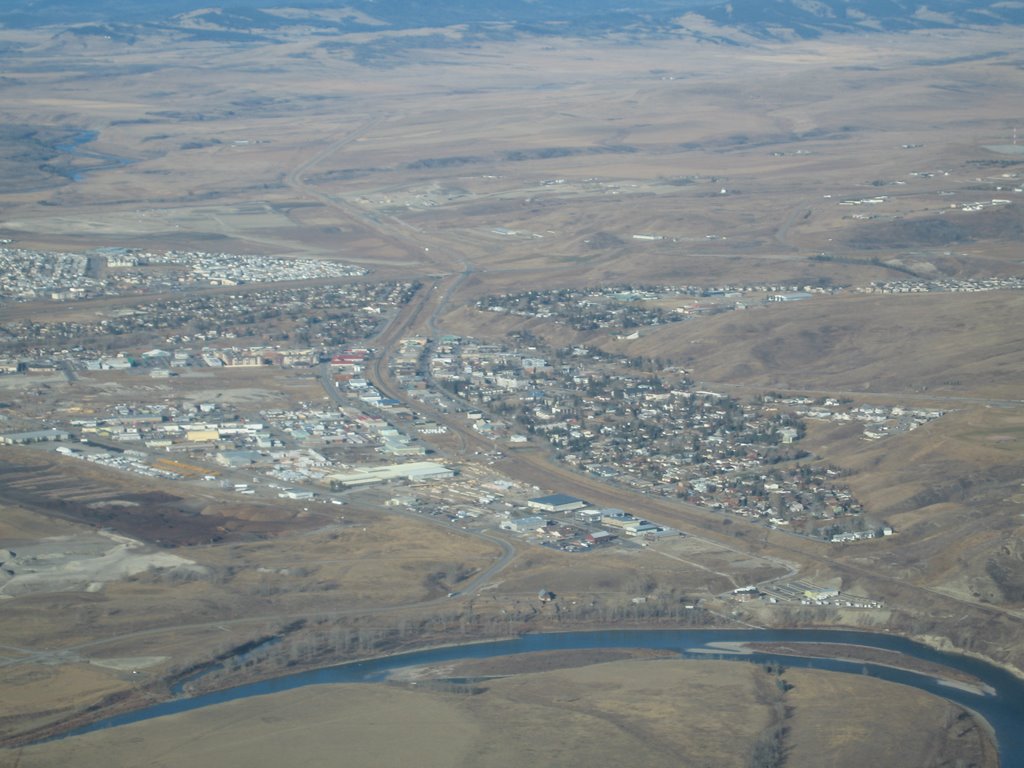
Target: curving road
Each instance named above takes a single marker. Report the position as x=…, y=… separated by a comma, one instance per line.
x=531, y=465
x=537, y=467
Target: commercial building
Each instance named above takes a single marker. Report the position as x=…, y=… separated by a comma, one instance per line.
x=794, y=296
x=524, y=524
x=416, y=471
x=40, y=436
x=558, y=502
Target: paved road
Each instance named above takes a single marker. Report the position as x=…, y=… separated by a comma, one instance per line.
x=531, y=465
x=537, y=467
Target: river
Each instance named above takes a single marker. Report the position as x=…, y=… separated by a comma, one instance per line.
x=73, y=147
x=1002, y=706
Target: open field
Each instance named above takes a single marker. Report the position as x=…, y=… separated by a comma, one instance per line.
x=88, y=607
x=845, y=166
x=78, y=600
x=599, y=714
x=947, y=345
x=381, y=164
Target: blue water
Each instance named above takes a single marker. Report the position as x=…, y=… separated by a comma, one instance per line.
x=1003, y=709
x=237, y=660
x=74, y=147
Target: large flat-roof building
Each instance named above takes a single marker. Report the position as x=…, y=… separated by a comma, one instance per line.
x=39, y=436
x=524, y=524
x=557, y=502
x=794, y=296
x=416, y=471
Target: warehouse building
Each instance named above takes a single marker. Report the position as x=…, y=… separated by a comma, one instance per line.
x=416, y=471
x=558, y=502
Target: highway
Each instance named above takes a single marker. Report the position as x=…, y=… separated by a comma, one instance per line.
x=534, y=466
x=537, y=467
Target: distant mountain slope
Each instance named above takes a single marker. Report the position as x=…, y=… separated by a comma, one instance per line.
x=758, y=18
x=396, y=13
x=811, y=18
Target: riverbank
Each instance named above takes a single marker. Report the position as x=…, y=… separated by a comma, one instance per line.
x=943, y=644
x=1004, y=710
x=518, y=664
x=878, y=656
x=563, y=707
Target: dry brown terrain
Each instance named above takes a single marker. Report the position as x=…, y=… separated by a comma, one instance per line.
x=505, y=167
x=324, y=156
x=960, y=347
x=90, y=617
x=656, y=712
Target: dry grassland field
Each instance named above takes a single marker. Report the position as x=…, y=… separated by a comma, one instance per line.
x=760, y=293
x=600, y=714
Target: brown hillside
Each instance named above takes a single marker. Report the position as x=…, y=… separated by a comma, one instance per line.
x=963, y=344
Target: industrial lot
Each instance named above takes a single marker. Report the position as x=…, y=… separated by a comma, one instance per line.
x=350, y=440
x=621, y=344
x=659, y=434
